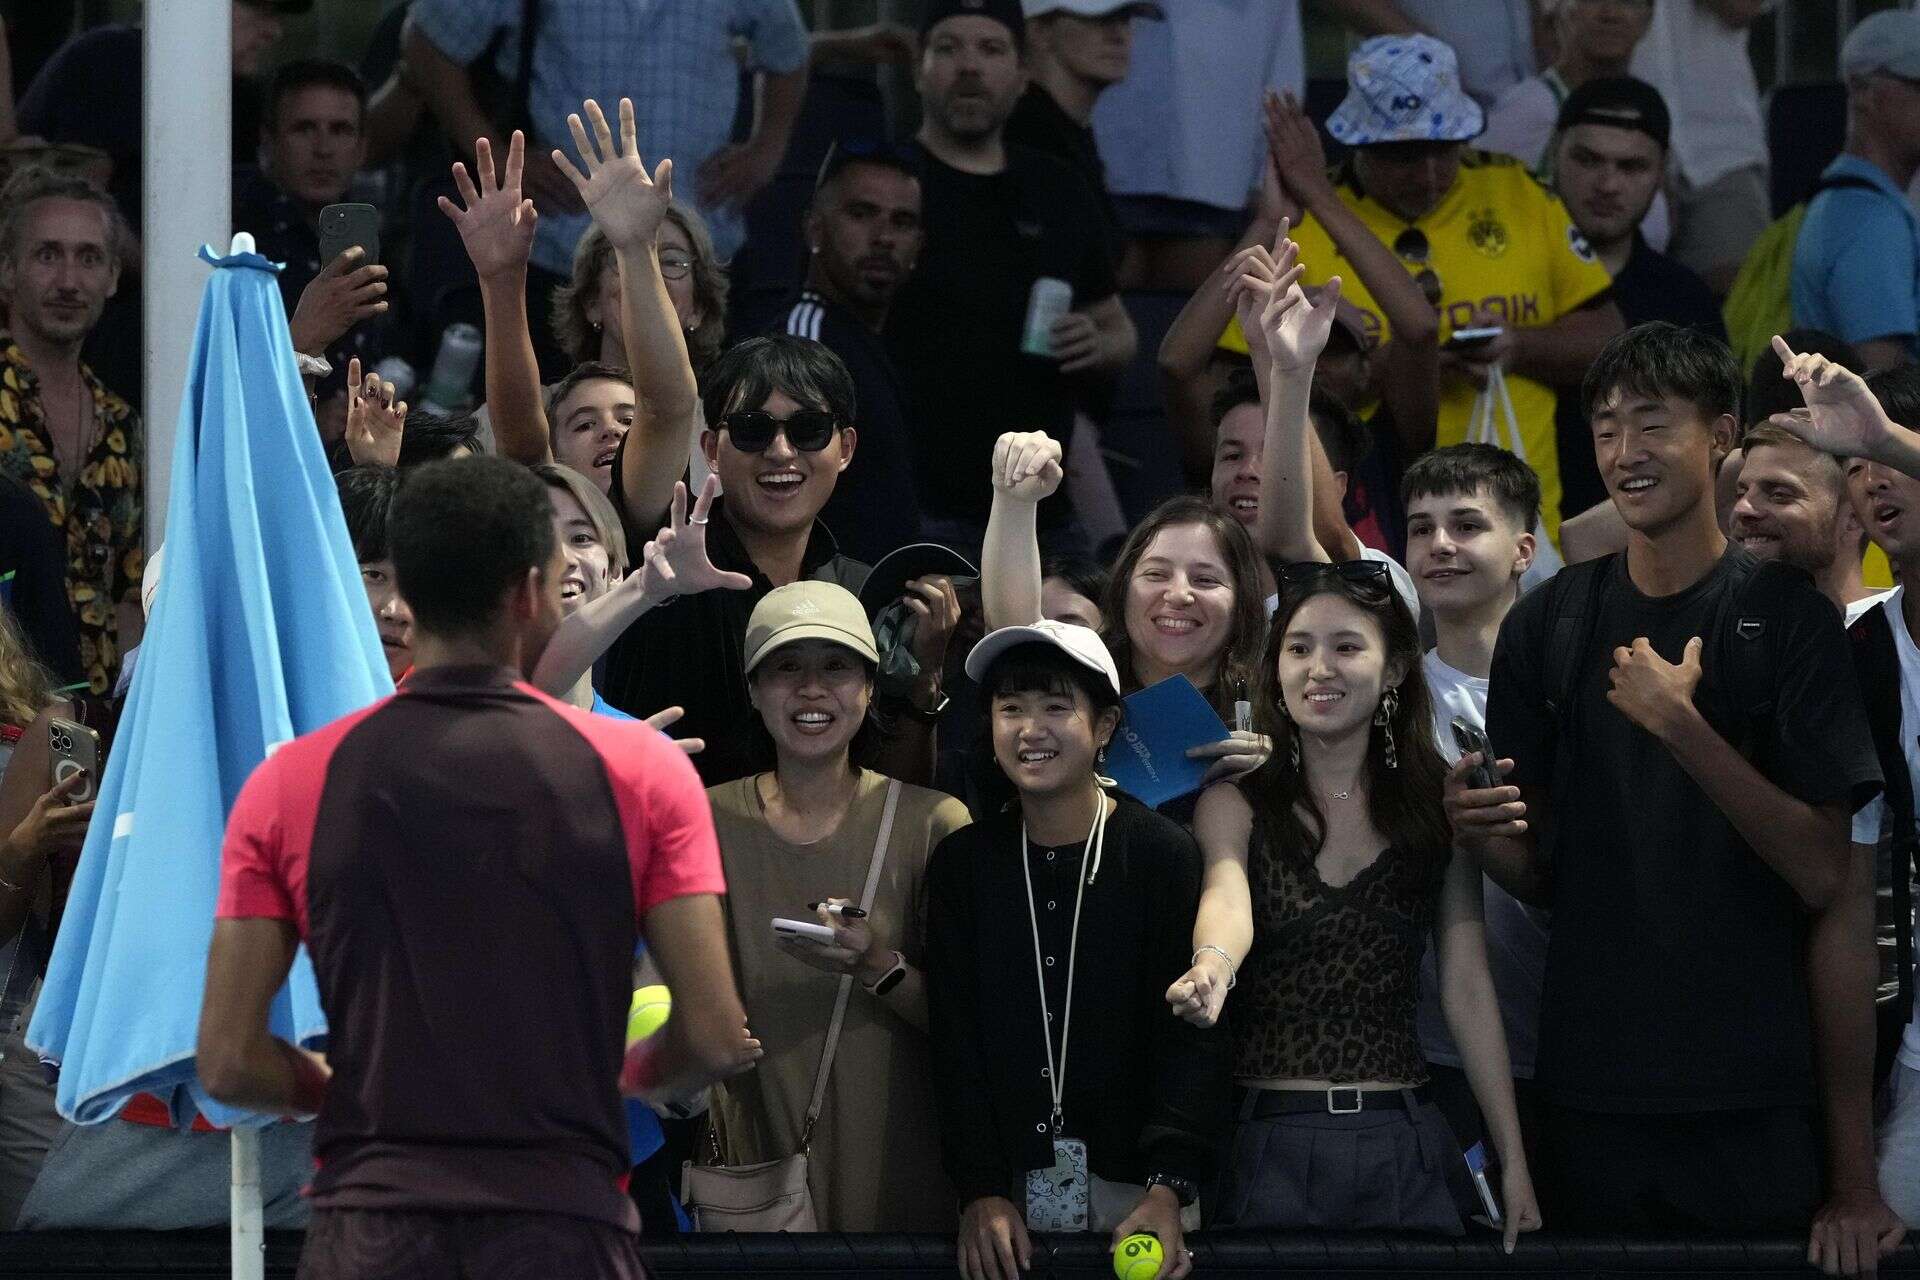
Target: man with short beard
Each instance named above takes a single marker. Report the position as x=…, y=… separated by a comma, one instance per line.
x=1792, y=506
x=999, y=219
x=63, y=433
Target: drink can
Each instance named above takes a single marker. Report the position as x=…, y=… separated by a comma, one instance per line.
x=1051, y=298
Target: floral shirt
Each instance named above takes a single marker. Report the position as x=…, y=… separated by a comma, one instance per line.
x=100, y=512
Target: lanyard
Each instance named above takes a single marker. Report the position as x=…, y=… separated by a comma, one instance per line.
x=1057, y=1070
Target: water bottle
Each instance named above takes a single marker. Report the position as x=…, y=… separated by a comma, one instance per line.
x=1051, y=298
x=398, y=374
x=450, y=385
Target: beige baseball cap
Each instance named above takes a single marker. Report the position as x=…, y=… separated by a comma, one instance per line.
x=809, y=611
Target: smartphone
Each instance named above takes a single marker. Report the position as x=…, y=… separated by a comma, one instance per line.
x=342, y=226
x=75, y=747
x=784, y=928
x=1471, y=739
x=1460, y=340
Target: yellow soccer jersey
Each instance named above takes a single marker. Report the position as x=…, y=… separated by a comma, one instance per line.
x=1501, y=242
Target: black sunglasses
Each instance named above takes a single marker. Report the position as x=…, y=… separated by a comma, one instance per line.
x=753, y=430
x=1412, y=246
x=1370, y=574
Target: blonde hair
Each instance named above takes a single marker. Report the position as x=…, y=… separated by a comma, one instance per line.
x=26, y=687
x=599, y=509
x=578, y=336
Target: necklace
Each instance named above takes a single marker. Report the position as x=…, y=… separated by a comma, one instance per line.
x=1342, y=795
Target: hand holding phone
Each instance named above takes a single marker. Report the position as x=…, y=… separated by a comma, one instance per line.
x=802, y=929
x=75, y=750
x=1471, y=739
x=347, y=226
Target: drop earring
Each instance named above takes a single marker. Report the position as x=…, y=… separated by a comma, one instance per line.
x=1389, y=704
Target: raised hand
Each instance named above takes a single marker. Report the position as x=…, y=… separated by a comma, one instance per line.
x=375, y=422
x=496, y=225
x=341, y=296
x=665, y=719
x=1842, y=416
x=1294, y=146
x=1251, y=278
x=675, y=563
x=1026, y=465
x=1297, y=327
x=626, y=203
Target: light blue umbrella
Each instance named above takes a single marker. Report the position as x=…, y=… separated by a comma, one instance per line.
x=260, y=632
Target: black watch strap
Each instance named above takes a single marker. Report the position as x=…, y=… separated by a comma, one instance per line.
x=1184, y=1189
x=905, y=707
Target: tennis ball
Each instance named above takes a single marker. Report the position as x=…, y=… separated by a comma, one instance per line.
x=648, y=1013
x=1138, y=1257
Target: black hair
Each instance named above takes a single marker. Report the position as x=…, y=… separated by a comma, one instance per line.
x=1770, y=391
x=1899, y=392
x=844, y=155
x=1464, y=468
x=745, y=375
x=366, y=500
x=1035, y=666
x=1658, y=360
x=430, y=436
x=464, y=532
x=308, y=73
x=1403, y=801
x=586, y=371
x=1085, y=576
x=1343, y=438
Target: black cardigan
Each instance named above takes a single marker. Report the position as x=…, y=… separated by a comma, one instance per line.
x=1145, y=1090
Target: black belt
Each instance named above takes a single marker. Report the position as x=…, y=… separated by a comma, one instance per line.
x=1342, y=1101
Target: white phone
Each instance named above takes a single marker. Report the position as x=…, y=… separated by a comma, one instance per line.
x=802, y=929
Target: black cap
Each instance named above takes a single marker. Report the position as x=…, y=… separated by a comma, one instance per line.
x=1005, y=12
x=887, y=581
x=1620, y=101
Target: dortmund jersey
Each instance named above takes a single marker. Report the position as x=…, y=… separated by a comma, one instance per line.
x=1501, y=242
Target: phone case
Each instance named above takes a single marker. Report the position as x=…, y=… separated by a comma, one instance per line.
x=75, y=747
x=344, y=225
x=1059, y=1197
x=802, y=929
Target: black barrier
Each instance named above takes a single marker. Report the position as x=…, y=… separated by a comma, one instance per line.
x=202, y=1255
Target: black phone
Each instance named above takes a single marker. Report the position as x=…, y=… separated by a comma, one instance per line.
x=342, y=226
x=1468, y=339
x=1471, y=739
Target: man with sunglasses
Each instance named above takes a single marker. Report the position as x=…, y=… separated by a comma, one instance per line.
x=863, y=240
x=1489, y=245
x=1856, y=263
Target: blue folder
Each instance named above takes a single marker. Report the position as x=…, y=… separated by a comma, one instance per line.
x=1148, y=754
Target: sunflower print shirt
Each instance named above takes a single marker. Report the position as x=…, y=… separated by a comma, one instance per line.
x=100, y=512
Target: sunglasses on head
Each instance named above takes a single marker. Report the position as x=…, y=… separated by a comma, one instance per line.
x=1369, y=574
x=753, y=430
x=1412, y=247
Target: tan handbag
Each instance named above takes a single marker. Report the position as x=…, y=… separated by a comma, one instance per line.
x=773, y=1195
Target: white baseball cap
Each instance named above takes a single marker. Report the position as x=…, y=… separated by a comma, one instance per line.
x=1094, y=8
x=1082, y=644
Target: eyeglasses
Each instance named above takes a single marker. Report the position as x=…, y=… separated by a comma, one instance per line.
x=1370, y=575
x=675, y=266
x=1413, y=247
x=752, y=430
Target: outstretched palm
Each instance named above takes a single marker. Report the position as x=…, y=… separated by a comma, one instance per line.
x=626, y=203
x=496, y=226
x=1843, y=416
x=675, y=563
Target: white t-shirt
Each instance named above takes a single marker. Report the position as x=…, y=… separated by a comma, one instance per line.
x=1870, y=823
x=1865, y=603
x=1700, y=66
x=1402, y=582
x=1516, y=933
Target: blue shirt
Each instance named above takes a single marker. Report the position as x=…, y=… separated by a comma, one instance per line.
x=1856, y=265
x=674, y=58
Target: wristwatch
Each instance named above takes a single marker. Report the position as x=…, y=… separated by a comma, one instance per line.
x=1184, y=1190
x=905, y=707
x=890, y=979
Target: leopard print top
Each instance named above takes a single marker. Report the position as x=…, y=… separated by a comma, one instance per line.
x=1329, y=989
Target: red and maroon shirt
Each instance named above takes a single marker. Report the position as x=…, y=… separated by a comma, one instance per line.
x=467, y=862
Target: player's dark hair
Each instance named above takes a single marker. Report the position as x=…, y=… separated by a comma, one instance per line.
x=1038, y=667
x=1465, y=468
x=744, y=376
x=1343, y=437
x=464, y=532
x=1899, y=392
x=587, y=371
x=1084, y=576
x=1658, y=360
x=431, y=436
x=366, y=500
x=309, y=73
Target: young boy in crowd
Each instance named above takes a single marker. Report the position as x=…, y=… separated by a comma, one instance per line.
x=1687, y=742
x=366, y=496
x=1102, y=886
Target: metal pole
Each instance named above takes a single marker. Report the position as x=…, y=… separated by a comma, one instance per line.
x=187, y=167
x=247, y=1233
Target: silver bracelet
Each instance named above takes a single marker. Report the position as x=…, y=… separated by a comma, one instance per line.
x=1233, y=976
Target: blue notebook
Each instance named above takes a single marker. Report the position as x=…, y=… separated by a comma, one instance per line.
x=1148, y=755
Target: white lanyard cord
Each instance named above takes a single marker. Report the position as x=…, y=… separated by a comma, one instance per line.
x=1057, y=1071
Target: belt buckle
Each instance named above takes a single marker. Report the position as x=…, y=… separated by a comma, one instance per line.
x=1334, y=1107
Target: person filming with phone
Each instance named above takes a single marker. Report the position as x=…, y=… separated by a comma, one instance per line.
x=826, y=921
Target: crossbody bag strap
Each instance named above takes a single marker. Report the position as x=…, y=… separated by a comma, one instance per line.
x=821, y=1076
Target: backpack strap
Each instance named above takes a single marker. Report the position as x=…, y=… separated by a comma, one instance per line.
x=1573, y=610
x=1876, y=661
x=1746, y=641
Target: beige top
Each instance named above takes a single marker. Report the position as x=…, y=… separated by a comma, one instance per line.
x=875, y=1160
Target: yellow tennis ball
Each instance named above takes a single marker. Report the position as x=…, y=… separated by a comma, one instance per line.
x=648, y=1013
x=1138, y=1257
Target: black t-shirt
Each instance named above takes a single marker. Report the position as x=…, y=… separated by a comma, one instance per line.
x=1039, y=124
x=873, y=509
x=955, y=328
x=1676, y=975
x=1651, y=286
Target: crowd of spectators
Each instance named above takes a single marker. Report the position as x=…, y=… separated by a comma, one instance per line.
x=1560, y=821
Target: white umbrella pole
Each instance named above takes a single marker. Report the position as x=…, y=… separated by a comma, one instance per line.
x=249, y=1237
